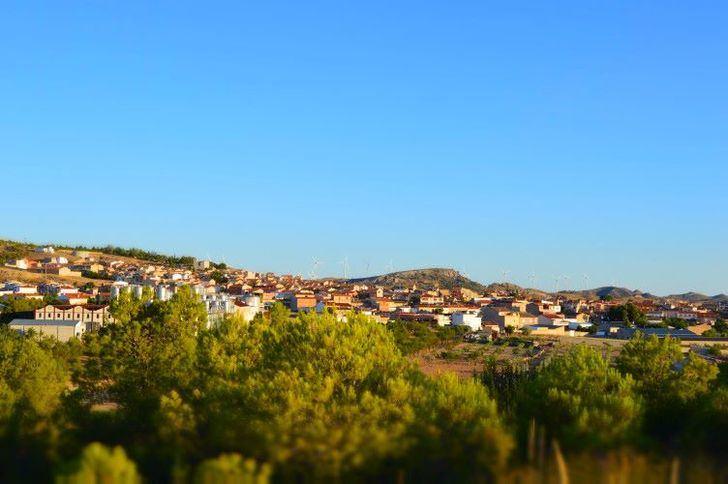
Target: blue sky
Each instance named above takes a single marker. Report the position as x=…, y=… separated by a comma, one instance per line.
x=557, y=138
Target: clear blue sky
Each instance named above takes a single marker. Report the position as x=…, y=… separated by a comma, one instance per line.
x=561, y=138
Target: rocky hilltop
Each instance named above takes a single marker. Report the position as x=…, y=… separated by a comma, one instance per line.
x=424, y=278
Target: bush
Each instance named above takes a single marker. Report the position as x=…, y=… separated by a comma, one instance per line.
x=101, y=465
x=232, y=469
x=582, y=401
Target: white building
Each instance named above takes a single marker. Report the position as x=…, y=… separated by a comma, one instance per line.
x=117, y=287
x=161, y=293
x=473, y=321
x=62, y=330
x=19, y=264
x=18, y=288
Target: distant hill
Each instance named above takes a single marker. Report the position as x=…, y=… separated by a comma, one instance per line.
x=624, y=293
x=425, y=279
x=516, y=290
x=689, y=296
x=697, y=297
x=607, y=291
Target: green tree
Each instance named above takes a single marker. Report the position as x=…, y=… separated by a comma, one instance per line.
x=670, y=384
x=101, y=465
x=126, y=306
x=676, y=323
x=219, y=277
x=185, y=310
x=582, y=401
x=10, y=305
x=279, y=314
x=325, y=399
x=664, y=377
x=232, y=469
x=458, y=432
x=33, y=382
x=720, y=327
x=629, y=313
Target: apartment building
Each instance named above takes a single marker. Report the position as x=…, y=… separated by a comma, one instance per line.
x=93, y=316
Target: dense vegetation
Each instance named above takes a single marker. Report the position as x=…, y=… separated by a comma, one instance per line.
x=719, y=329
x=169, y=260
x=627, y=313
x=158, y=396
x=413, y=336
x=10, y=250
x=14, y=307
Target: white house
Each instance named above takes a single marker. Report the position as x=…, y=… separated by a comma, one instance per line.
x=19, y=264
x=19, y=288
x=473, y=321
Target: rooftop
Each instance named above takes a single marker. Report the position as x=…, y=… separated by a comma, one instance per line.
x=44, y=322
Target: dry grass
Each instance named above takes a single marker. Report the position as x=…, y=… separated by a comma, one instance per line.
x=468, y=359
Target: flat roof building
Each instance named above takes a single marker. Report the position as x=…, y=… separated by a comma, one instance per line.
x=62, y=330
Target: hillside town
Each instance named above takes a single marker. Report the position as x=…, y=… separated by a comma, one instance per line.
x=73, y=290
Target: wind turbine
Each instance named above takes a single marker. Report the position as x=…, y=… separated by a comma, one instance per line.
x=505, y=274
x=586, y=282
x=345, y=265
x=532, y=278
x=314, y=269
x=565, y=278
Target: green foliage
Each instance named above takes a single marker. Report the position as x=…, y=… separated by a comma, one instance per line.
x=628, y=313
x=169, y=260
x=670, y=384
x=716, y=349
x=219, y=277
x=148, y=352
x=663, y=376
x=315, y=397
x=458, y=432
x=319, y=399
x=710, y=424
x=101, y=465
x=582, y=401
x=33, y=381
x=232, y=469
x=506, y=381
x=127, y=306
x=10, y=250
x=97, y=275
x=719, y=329
x=676, y=323
x=413, y=336
x=10, y=305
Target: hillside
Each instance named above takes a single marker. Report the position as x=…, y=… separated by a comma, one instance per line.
x=516, y=290
x=607, y=291
x=10, y=250
x=697, y=297
x=425, y=279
